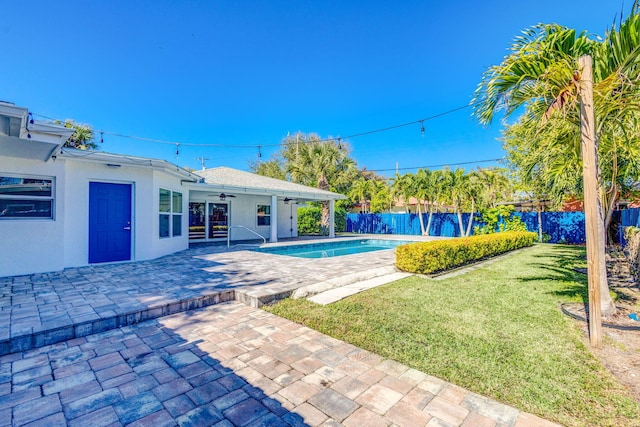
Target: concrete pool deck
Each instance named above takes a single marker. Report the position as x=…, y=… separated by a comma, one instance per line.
x=69, y=359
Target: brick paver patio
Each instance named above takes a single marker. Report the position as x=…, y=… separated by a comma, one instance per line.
x=43, y=309
x=229, y=365
x=142, y=344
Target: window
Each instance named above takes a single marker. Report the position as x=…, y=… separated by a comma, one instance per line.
x=170, y=207
x=264, y=215
x=26, y=197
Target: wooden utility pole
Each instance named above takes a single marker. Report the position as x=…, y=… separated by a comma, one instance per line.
x=591, y=211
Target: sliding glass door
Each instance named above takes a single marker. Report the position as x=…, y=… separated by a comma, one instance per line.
x=218, y=220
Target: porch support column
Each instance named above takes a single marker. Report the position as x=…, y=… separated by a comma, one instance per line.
x=332, y=218
x=274, y=219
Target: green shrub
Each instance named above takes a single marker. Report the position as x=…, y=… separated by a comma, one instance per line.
x=309, y=219
x=439, y=255
x=499, y=219
x=341, y=218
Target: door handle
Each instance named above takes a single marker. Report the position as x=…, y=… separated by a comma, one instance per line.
x=127, y=228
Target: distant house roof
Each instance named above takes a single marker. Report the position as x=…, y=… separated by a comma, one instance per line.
x=234, y=180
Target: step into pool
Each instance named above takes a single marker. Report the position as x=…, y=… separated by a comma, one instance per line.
x=333, y=249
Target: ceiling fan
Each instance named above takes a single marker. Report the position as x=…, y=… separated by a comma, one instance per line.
x=222, y=195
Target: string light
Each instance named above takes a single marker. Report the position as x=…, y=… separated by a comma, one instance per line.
x=259, y=152
x=356, y=135
x=421, y=127
x=177, y=150
x=101, y=137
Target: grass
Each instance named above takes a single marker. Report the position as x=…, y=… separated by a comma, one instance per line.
x=497, y=331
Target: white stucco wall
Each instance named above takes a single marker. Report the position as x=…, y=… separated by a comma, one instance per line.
x=33, y=245
x=243, y=211
x=146, y=183
x=156, y=246
x=43, y=245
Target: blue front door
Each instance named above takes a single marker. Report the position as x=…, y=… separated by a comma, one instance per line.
x=109, y=222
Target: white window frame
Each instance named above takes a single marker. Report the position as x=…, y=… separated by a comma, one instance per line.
x=26, y=198
x=171, y=213
x=258, y=205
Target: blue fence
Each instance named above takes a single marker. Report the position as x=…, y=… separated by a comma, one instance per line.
x=628, y=218
x=560, y=227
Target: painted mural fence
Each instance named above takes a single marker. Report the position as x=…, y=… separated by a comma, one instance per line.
x=557, y=227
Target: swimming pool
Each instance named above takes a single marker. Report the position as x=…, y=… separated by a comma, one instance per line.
x=333, y=249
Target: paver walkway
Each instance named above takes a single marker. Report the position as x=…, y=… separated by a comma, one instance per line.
x=230, y=365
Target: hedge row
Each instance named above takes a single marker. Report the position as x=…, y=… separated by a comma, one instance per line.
x=439, y=255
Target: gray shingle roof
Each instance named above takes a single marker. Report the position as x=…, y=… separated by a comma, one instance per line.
x=229, y=177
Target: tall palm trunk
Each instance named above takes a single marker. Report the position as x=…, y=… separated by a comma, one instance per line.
x=430, y=219
x=323, y=184
x=457, y=209
x=420, y=218
x=470, y=218
x=539, y=221
x=607, y=307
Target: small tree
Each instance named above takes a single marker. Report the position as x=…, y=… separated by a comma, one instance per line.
x=82, y=137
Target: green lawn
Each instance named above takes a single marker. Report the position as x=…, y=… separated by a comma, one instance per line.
x=497, y=331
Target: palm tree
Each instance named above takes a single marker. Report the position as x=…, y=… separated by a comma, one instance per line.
x=496, y=184
x=82, y=137
x=381, y=196
x=437, y=190
x=457, y=183
x=361, y=191
x=477, y=196
x=541, y=76
x=324, y=164
x=401, y=188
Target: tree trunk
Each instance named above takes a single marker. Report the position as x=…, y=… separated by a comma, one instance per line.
x=420, y=218
x=324, y=222
x=430, y=219
x=323, y=184
x=609, y=207
x=607, y=307
x=460, y=221
x=470, y=218
x=539, y=221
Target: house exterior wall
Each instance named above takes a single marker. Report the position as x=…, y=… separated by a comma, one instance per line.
x=34, y=245
x=243, y=210
x=43, y=245
x=146, y=183
x=155, y=246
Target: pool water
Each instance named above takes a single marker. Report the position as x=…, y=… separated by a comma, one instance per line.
x=333, y=249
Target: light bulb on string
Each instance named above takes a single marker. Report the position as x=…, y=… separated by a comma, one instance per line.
x=421, y=127
x=259, y=152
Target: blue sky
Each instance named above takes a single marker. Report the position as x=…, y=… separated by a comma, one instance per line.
x=246, y=73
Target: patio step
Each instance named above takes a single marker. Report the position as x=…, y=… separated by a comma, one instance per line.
x=342, y=292
x=41, y=338
x=338, y=282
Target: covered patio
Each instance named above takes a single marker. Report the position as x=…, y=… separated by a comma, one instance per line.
x=240, y=205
